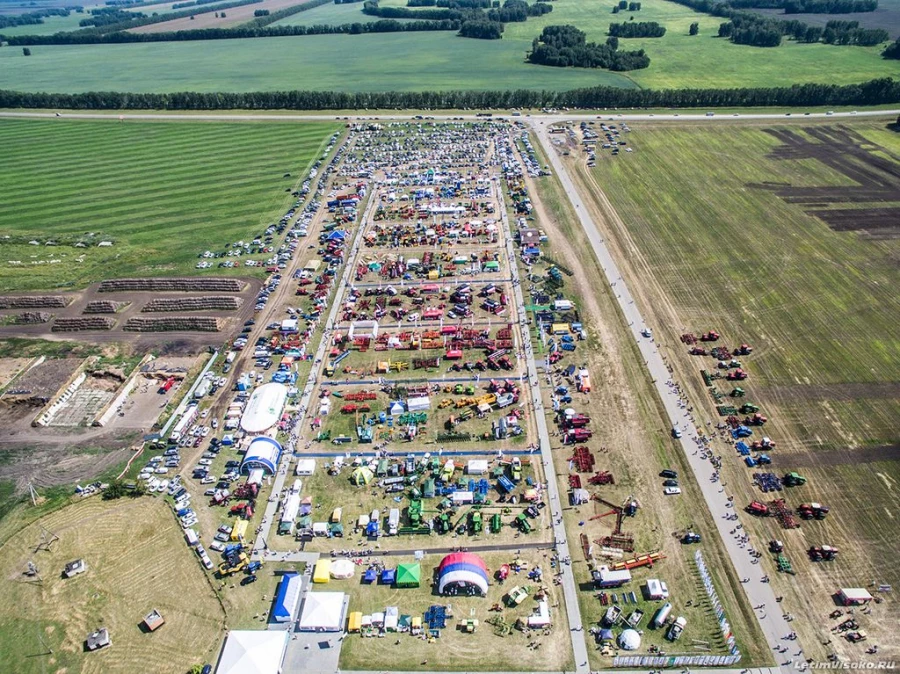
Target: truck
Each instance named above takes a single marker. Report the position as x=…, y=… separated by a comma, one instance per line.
x=677, y=628
x=393, y=521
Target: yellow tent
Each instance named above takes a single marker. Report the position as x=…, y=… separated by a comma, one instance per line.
x=322, y=572
x=239, y=530
x=355, y=621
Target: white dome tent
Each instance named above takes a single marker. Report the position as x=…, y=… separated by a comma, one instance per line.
x=630, y=640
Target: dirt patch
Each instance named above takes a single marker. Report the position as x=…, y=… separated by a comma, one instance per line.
x=848, y=153
x=34, y=302
x=210, y=302
x=844, y=457
x=44, y=380
x=173, y=324
x=846, y=392
x=10, y=367
x=208, y=19
x=84, y=323
x=183, y=285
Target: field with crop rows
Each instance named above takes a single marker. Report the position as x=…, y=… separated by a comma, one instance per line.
x=434, y=60
x=784, y=238
x=162, y=192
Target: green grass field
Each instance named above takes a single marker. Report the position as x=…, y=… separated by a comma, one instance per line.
x=162, y=192
x=136, y=561
x=818, y=305
x=433, y=61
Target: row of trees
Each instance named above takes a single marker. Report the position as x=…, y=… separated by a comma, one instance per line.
x=248, y=30
x=849, y=32
x=640, y=29
x=875, y=92
x=110, y=16
x=892, y=51
x=808, y=6
x=481, y=30
x=34, y=18
x=566, y=46
x=625, y=5
x=746, y=27
x=136, y=19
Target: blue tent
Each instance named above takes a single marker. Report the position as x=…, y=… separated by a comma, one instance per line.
x=369, y=576
x=388, y=576
x=607, y=634
x=336, y=235
x=288, y=598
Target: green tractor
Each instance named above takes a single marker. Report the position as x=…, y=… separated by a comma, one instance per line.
x=737, y=392
x=475, y=523
x=496, y=523
x=749, y=408
x=793, y=479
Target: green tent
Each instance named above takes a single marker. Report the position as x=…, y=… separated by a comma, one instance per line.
x=408, y=575
x=361, y=476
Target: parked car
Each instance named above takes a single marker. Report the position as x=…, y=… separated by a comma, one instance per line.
x=218, y=546
x=671, y=491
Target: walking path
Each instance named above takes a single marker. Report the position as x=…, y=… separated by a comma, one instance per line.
x=570, y=589
x=759, y=594
x=272, y=506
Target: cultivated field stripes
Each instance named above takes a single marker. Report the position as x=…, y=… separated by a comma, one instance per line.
x=145, y=185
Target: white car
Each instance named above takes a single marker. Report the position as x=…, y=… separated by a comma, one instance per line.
x=671, y=491
x=218, y=546
x=664, y=589
x=205, y=462
x=209, y=492
x=223, y=536
x=189, y=523
x=209, y=479
x=207, y=562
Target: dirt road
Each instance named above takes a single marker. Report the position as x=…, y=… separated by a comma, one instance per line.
x=759, y=593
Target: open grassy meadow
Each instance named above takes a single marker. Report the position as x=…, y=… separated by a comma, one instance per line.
x=434, y=60
x=136, y=561
x=163, y=193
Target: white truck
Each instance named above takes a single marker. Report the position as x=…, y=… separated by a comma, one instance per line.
x=393, y=522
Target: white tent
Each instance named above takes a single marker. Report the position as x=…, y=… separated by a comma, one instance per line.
x=342, y=569
x=630, y=640
x=253, y=652
x=418, y=403
x=541, y=618
x=477, y=467
x=306, y=466
x=323, y=612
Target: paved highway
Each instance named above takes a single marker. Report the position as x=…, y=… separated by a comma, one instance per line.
x=114, y=115
x=759, y=593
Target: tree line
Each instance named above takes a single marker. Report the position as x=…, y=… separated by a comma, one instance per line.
x=640, y=29
x=892, y=51
x=144, y=20
x=875, y=92
x=808, y=6
x=745, y=27
x=247, y=30
x=567, y=46
x=35, y=18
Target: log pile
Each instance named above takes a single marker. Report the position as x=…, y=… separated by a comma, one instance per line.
x=183, y=285
x=82, y=323
x=34, y=302
x=172, y=324
x=32, y=317
x=206, y=303
x=103, y=307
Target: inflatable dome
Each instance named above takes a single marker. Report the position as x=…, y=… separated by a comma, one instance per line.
x=630, y=640
x=462, y=573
